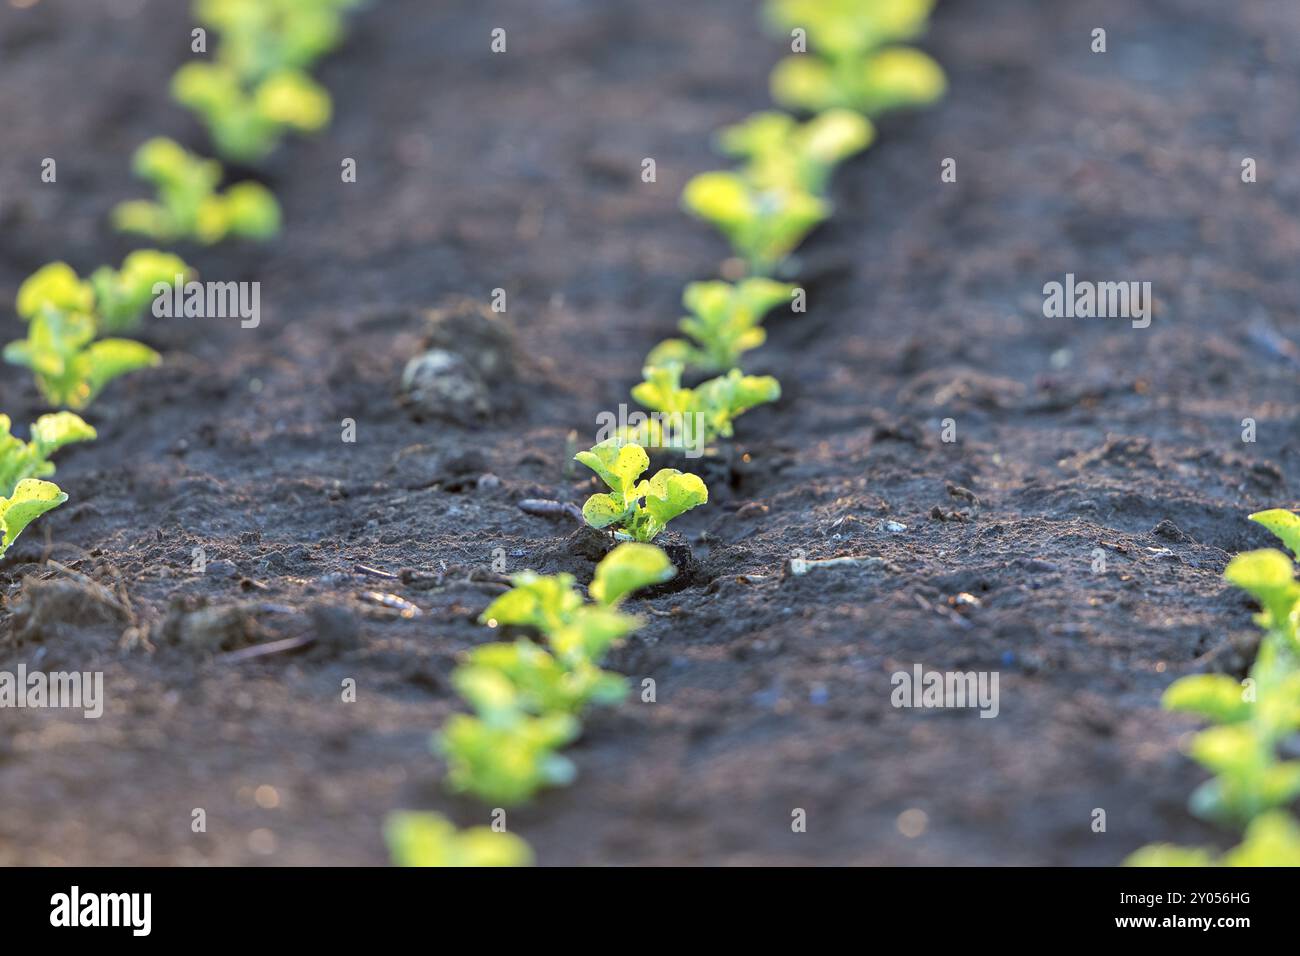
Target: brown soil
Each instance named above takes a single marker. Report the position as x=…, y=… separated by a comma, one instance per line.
x=522, y=172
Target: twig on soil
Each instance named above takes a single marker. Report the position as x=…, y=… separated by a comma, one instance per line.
x=265, y=650
x=375, y=572
x=392, y=602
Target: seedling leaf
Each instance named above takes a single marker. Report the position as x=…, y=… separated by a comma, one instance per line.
x=429, y=839
x=31, y=499
x=630, y=567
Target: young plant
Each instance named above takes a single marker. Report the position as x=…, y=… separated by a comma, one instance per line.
x=525, y=698
x=848, y=28
x=30, y=499
x=507, y=756
x=1251, y=719
x=535, y=680
x=1272, y=839
x=764, y=224
x=246, y=124
x=723, y=325
x=852, y=66
x=20, y=460
x=189, y=206
x=260, y=37
x=716, y=403
x=115, y=298
x=888, y=79
x=781, y=153
x=69, y=365
x=429, y=839
x=637, y=510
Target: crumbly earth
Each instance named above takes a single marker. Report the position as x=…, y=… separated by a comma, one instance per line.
x=1074, y=437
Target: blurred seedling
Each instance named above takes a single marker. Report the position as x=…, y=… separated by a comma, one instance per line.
x=725, y=322
x=525, y=697
x=70, y=366
x=429, y=839
x=1241, y=749
x=115, y=298
x=716, y=403
x=189, y=205
x=20, y=460
x=246, y=124
x=782, y=153
x=852, y=65
x=262, y=37
x=764, y=224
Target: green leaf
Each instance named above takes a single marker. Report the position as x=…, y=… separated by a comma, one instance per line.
x=805, y=83
x=590, y=633
x=849, y=28
x=895, y=78
x=617, y=464
x=545, y=602
x=630, y=567
x=108, y=359
x=1269, y=577
x=668, y=494
x=725, y=398
x=428, y=839
x=1216, y=697
x=1272, y=839
x=1284, y=524
x=252, y=211
x=1166, y=854
x=31, y=499
x=601, y=511
x=55, y=286
x=292, y=98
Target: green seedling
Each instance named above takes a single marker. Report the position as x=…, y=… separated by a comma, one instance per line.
x=20, y=460
x=525, y=697
x=1251, y=719
x=637, y=510
x=247, y=124
x=260, y=37
x=849, y=28
x=188, y=204
x=507, y=758
x=888, y=79
x=782, y=153
x=429, y=839
x=69, y=365
x=1241, y=751
x=764, y=224
x=533, y=680
x=115, y=298
x=30, y=499
x=123, y=295
x=715, y=403
x=1272, y=839
x=723, y=325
